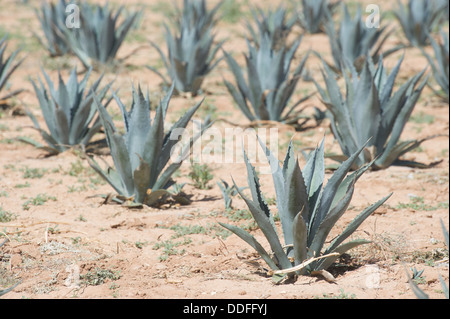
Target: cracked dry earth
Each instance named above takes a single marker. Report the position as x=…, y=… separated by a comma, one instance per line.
x=65, y=243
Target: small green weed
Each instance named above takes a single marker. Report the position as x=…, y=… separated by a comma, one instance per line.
x=212, y=230
x=169, y=248
x=6, y=216
x=201, y=176
x=418, y=203
x=99, y=276
x=33, y=172
x=40, y=199
x=22, y=185
x=422, y=118
x=342, y=295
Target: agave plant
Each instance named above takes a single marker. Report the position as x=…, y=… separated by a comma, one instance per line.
x=440, y=64
x=100, y=35
x=308, y=211
x=68, y=111
x=370, y=110
x=191, y=50
x=354, y=41
x=419, y=19
x=315, y=13
x=7, y=67
x=52, y=18
x=228, y=192
x=274, y=24
x=141, y=155
x=195, y=13
x=270, y=85
x=445, y=5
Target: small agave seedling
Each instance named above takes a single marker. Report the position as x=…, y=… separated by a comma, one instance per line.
x=308, y=211
x=68, y=111
x=440, y=64
x=100, y=35
x=270, y=85
x=228, y=192
x=354, y=41
x=273, y=24
x=52, y=18
x=371, y=110
x=7, y=67
x=191, y=50
x=419, y=18
x=141, y=155
x=315, y=13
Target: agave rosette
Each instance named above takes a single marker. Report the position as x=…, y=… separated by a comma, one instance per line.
x=68, y=111
x=142, y=170
x=419, y=18
x=7, y=67
x=372, y=110
x=100, y=34
x=266, y=93
x=308, y=210
x=191, y=49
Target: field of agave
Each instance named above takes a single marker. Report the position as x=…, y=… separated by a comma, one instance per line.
x=224, y=149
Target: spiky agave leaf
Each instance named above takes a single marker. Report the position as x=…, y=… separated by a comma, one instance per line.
x=419, y=18
x=141, y=155
x=266, y=92
x=196, y=15
x=7, y=67
x=353, y=41
x=308, y=210
x=68, y=111
x=315, y=13
x=52, y=18
x=100, y=35
x=440, y=64
x=273, y=23
x=372, y=110
x=191, y=51
x=5, y=291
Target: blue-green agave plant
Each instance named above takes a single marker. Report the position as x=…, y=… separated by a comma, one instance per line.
x=308, y=209
x=142, y=170
x=372, y=110
x=314, y=14
x=352, y=42
x=7, y=67
x=52, y=18
x=99, y=37
x=69, y=112
x=419, y=19
x=265, y=94
x=274, y=24
x=440, y=64
x=191, y=49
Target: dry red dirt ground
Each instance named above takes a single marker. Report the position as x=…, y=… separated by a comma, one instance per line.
x=182, y=252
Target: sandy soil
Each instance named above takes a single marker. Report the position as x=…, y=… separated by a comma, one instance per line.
x=181, y=252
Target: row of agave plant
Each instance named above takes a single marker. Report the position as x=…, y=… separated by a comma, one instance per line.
x=367, y=120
